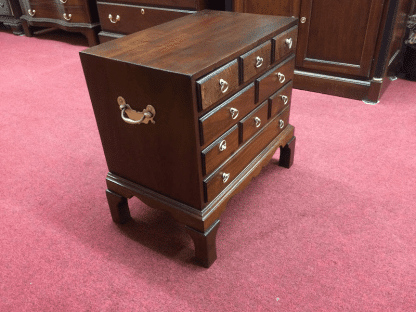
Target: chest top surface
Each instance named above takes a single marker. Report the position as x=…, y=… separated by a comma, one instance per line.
x=193, y=44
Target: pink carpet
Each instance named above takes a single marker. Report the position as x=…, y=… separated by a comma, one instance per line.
x=336, y=232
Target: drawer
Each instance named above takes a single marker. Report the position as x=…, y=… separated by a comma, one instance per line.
x=222, y=117
x=218, y=152
x=71, y=14
x=274, y=79
x=255, y=61
x=281, y=99
x=217, y=85
x=221, y=178
x=285, y=43
x=127, y=19
x=253, y=122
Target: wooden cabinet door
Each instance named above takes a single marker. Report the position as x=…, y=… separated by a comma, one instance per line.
x=338, y=36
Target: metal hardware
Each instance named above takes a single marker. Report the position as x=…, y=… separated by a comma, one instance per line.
x=257, y=120
x=281, y=124
x=110, y=17
x=289, y=42
x=303, y=20
x=31, y=12
x=134, y=117
x=142, y=11
x=285, y=99
x=281, y=77
x=225, y=177
x=63, y=1
x=67, y=16
x=224, y=85
x=234, y=113
x=223, y=145
x=259, y=61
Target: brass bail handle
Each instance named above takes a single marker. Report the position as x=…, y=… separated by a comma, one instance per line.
x=134, y=117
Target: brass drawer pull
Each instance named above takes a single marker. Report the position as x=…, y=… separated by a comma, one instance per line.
x=31, y=12
x=223, y=145
x=281, y=124
x=285, y=99
x=63, y=1
x=134, y=117
x=281, y=77
x=303, y=20
x=234, y=113
x=67, y=16
x=142, y=11
x=224, y=85
x=225, y=177
x=289, y=42
x=259, y=61
x=110, y=17
x=257, y=120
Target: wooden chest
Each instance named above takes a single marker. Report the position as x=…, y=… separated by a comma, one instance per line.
x=190, y=111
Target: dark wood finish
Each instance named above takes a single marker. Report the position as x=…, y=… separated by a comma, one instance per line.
x=119, y=208
x=268, y=7
x=10, y=13
x=253, y=122
x=164, y=164
x=282, y=48
x=281, y=99
x=287, y=153
x=250, y=63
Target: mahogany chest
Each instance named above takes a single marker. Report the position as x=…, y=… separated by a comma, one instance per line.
x=190, y=111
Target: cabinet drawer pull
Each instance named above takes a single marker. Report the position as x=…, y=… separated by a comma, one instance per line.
x=134, y=117
x=303, y=20
x=257, y=120
x=281, y=77
x=281, y=124
x=259, y=61
x=67, y=16
x=285, y=99
x=142, y=11
x=225, y=177
x=110, y=17
x=223, y=145
x=224, y=85
x=289, y=42
x=31, y=12
x=63, y=1
x=234, y=113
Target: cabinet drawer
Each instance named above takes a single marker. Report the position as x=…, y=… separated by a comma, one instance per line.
x=285, y=43
x=256, y=60
x=274, y=79
x=221, y=178
x=127, y=19
x=217, y=85
x=227, y=114
x=281, y=99
x=71, y=14
x=218, y=152
x=253, y=122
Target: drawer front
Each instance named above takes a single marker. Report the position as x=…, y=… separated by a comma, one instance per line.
x=217, y=85
x=253, y=122
x=227, y=114
x=274, y=79
x=127, y=19
x=218, y=181
x=71, y=14
x=256, y=60
x=218, y=152
x=281, y=99
x=285, y=43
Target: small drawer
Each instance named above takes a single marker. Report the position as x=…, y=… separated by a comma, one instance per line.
x=285, y=43
x=217, y=85
x=222, y=117
x=282, y=120
x=253, y=122
x=39, y=10
x=255, y=61
x=215, y=154
x=281, y=99
x=274, y=79
x=127, y=19
x=75, y=14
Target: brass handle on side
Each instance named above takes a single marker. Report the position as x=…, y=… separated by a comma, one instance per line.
x=134, y=117
x=67, y=16
x=281, y=77
x=110, y=17
x=224, y=85
x=234, y=112
x=31, y=12
x=285, y=99
x=259, y=61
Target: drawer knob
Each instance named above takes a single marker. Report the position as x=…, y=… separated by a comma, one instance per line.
x=234, y=113
x=63, y=1
x=223, y=145
x=142, y=11
x=224, y=85
x=134, y=117
x=285, y=99
x=225, y=177
x=31, y=12
x=281, y=124
x=281, y=77
x=67, y=16
x=257, y=120
x=259, y=61
x=303, y=20
x=110, y=17
x=289, y=42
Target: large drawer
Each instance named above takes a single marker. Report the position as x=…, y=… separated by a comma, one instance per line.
x=218, y=181
x=69, y=13
x=127, y=19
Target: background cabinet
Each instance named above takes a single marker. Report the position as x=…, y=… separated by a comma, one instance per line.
x=345, y=48
x=10, y=15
